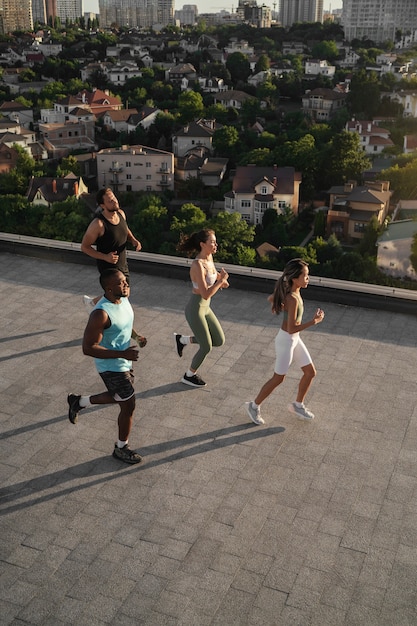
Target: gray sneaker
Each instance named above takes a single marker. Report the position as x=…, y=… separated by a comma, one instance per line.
x=126, y=455
x=254, y=414
x=302, y=412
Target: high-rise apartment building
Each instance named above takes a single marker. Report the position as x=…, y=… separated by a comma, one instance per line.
x=293, y=11
x=69, y=10
x=39, y=11
x=136, y=13
x=378, y=20
x=15, y=15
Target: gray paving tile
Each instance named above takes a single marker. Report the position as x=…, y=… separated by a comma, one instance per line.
x=225, y=522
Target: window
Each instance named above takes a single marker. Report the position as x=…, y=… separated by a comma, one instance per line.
x=281, y=204
x=264, y=190
x=128, y=187
x=246, y=217
x=148, y=176
x=148, y=164
x=148, y=187
x=128, y=176
x=245, y=204
x=359, y=227
x=128, y=164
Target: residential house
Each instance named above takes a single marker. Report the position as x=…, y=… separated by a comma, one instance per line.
x=99, y=101
x=348, y=57
x=351, y=208
x=63, y=138
x=94, y=68
x=241, y=46
x=256, y=189
x=135, y=168
x=296, y=48
x=212, y=84
x=145, y=117
x=322, y=104
x=118, y=120
x=120, y=73
x=194, y=134
x=316, y=67
x=232, y=99
x=46, y=190
x=19, y=113
x=88, y=168
x=8, y=158
x=394, y=248
x=410, y=144
x=181, y=74
x=60, y=112
x=26, y=140
x=407, y=99
x=373, y=138
x=213, y=171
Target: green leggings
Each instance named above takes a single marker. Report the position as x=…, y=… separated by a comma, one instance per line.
x=205, y=326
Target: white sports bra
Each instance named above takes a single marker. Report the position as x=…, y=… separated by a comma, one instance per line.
x=210, y=279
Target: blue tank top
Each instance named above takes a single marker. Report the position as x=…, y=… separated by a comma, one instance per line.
x=117, y=336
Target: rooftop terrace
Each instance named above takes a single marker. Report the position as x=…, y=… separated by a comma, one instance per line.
x=224, y=523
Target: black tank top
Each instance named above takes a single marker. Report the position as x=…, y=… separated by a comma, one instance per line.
x=114, y=239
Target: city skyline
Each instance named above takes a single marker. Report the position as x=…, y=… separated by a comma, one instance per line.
x=208, y=6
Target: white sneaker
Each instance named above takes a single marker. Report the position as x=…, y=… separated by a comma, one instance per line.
x=89, y=303
x=302, y=412
x=254, y=414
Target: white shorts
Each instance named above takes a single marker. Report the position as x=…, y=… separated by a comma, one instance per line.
x=289, y=348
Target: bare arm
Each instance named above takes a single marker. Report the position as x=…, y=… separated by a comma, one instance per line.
x=93, y=232
x=291, y=304
x=130, y=236
x=93, y=334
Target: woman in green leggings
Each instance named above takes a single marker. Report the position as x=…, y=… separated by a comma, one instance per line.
x=206, y=281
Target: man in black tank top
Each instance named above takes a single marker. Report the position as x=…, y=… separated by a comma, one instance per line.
x=109, y=233
x=106, y=240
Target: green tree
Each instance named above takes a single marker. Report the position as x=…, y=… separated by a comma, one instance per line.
x=69, y=165
x=343, y=160
x=239, y=67
x=263, y=63
x=325, y=50
x=364, y=95
x=234, y=238
x=66, y=221
x=225, y=140
x=190, y=105
x=190, y=218
x=150, y=220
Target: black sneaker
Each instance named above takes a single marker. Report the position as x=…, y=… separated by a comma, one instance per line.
x=180, y=346
x=126, y=455
x=193, y=381
x=74, y=407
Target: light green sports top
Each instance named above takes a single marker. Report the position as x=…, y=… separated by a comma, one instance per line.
x=300, y=309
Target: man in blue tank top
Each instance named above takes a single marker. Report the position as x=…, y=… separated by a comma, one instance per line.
x=107, y=340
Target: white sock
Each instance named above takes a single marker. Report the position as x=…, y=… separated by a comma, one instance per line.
x=185, y=339
x=121, y=444
x=299, y=404
x=190, y=373
x=255, y=406
x=84, y=401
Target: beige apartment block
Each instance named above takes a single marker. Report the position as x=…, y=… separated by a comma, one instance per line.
x=135, y=168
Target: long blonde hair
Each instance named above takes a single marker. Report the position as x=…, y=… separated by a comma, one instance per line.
x=283, y=285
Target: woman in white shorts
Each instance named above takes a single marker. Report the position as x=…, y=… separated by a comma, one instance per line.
x=288, y=343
